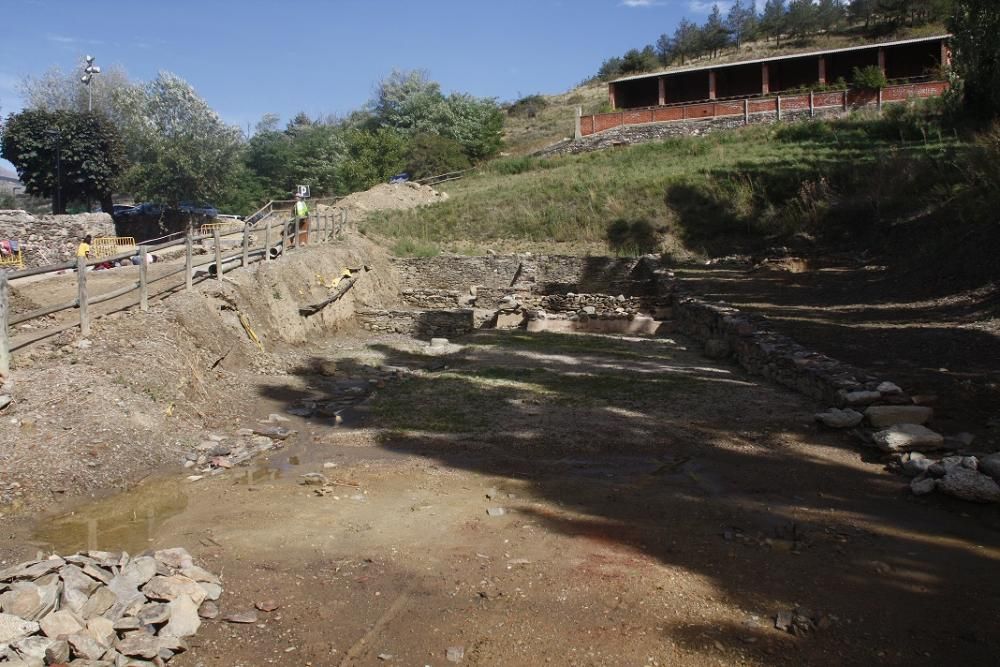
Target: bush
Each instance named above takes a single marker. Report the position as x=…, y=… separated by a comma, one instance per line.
x=432, y=155
x=7, y=201
x=868, y=78
x=528, y=107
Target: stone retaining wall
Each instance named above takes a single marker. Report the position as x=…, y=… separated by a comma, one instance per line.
x=52, y=239
x=762, y=351
x=421, y=324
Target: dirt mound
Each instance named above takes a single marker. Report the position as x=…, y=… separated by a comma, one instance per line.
x=388, y=196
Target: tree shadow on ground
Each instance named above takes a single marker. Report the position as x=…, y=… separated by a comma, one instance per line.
x=637, y=446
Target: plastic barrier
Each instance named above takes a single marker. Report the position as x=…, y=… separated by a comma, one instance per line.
x=106, y=246
x=11, y=254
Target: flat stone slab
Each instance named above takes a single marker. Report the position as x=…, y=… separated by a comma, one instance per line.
x=837, y=418
x=13, y=628
x=969, y=485
x=906, y=437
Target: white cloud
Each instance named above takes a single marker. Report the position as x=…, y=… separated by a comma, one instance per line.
x=705, y=6
x=641, y=3
x=62, y=39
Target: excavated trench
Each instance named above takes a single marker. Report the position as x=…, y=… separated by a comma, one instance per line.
x=510, y=496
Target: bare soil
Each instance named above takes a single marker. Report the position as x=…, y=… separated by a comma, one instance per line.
x=659, y=510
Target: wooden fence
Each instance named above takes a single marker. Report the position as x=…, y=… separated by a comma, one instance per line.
x=265, y=242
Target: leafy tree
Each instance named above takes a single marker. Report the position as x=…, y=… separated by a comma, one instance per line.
x=181, y=149
x=687, y=38
x=800, y=20
x=665, y=49
x=636, y=61
x=610, y=69
x=773, y=20
x=66, y=155
x=829, y=14
x=975, y=25
x=474, y=122
x=432, y=155
x=715, y=36
x=741, y=22
x=370, y=157
x=869, y=78
x=57, y=90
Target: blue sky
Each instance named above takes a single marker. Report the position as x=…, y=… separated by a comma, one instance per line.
x=251, y=57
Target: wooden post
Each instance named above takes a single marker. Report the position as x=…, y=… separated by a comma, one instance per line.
x=218, y=253
x=295, y=237
x=4, y=336
x=246, y=246
x=81, y=295
x=267, y=242
x=284, y=238
x=822, y=70
x=143, y=283
x=189, y=262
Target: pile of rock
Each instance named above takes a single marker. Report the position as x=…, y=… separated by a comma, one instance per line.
x=900, y=430
x=102, y=609
x=216, y=454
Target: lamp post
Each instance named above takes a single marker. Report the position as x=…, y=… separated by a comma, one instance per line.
x=89, y=71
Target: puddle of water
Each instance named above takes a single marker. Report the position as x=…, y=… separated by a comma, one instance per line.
x=264, y=472
x=126, y=521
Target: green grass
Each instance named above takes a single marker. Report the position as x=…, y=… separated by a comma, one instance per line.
x=710, y=194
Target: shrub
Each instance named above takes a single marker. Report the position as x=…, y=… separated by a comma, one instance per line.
x=528, y=106
x=868, y=78
x=431, y=155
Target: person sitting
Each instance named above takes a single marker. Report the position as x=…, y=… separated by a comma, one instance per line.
x=83, y=250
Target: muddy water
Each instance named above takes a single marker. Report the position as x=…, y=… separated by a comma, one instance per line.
x=126, y=521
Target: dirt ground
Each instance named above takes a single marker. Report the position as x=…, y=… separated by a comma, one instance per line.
x=658, y=510
x=928, y=336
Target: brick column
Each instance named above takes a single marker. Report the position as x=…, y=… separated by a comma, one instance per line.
x=822, y=71
x=881, y=59
x=711, y=84
x=663, y=90
x=765, y=84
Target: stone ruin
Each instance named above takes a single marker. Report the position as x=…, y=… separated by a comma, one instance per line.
x=450, y=296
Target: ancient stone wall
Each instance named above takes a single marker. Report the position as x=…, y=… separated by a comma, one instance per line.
x=421, y=324
x=51, y=239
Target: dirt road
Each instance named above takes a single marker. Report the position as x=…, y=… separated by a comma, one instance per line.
x=658, y=510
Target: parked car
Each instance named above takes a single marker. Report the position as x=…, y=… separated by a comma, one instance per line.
x=206, y=210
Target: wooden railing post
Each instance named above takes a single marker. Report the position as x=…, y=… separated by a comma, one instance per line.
x=295, y=237
x=284, y=237
x=246, y=246
x=81, y=295
x=267, y=241
x=218, y=253
x=4, y=335
x=143, y=282
x=189, y=262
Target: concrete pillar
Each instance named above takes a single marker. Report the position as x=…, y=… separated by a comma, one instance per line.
x=612, y=96
x=881, y=59
x=711, y=84
x=765, y=84
x=579, y=115
x=822, y=71
x=663, y=90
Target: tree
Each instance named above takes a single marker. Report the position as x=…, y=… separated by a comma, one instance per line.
x=975, y=25
x=476, y=123
x=66, y=155
x=800, y=20
x=829, y=14
x=715, y=36
x=687, y=38
x=665, y=49
x=862, y=10
x=181, y=149
x=741, y=22
x=773, y=21
x=610, y=69
x=636, y=61
x=370, y=157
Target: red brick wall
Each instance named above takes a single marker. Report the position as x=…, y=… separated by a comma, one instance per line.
x=800, y=102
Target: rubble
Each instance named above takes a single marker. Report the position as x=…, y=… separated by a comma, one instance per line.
x=98, y=607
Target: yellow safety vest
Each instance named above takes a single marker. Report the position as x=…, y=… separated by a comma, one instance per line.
x=301, y=209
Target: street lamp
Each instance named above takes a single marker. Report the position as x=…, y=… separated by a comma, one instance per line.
x=88, y=79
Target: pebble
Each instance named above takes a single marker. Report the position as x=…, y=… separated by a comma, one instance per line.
x=5, y=401
x=496, y=511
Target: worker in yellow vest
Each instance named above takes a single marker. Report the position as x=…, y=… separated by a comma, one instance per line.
x=302, y=214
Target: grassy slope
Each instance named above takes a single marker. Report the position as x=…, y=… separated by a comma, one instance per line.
x=715, y=194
